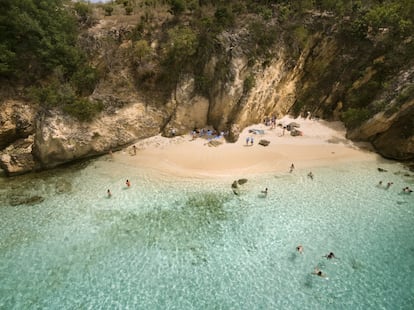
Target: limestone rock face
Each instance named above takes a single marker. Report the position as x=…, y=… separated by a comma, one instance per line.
x=187, y=110
x=398, y=141
x=17, y=158
x=60, y=138
x=392, y=135
x=16, y=121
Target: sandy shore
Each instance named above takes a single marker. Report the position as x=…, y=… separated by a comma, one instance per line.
x=322, y=143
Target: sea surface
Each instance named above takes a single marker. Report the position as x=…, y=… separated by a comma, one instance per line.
x=191, y=243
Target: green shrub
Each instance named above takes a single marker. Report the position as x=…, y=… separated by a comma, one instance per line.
x=85, y=80
x=355, y=117
x=52, y=95
x=224, y=17
x=108, y=10
x=177, y=7
x=249, y=83
x=83, y=109
x=128, y=10
x=301, y=35
x=364, y=95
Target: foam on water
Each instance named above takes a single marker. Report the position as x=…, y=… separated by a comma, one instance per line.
x=172, y=243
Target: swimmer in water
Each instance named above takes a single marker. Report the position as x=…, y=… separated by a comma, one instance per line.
x=330, y=255
x=318, y=273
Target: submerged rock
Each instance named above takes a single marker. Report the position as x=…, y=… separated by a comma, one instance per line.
x=234, y=184
x=63, y=186
x=22, y=200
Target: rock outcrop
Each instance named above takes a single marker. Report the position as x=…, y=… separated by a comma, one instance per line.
x=60, y=139
x=16, y=121
x=17, y=158
x=398, y=140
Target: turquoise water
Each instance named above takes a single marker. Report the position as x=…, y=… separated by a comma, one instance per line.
x=174, y=243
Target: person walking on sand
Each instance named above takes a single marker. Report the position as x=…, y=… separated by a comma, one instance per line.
x=128, y=184
x=251, y=141
x=134, y=149
x=247, y=140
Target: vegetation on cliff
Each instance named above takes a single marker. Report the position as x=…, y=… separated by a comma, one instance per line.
x=39, y=51
x=354, y=49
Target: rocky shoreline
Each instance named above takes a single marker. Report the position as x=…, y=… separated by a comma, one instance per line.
x=33, y=140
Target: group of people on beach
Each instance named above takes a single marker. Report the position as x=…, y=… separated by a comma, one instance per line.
x=270, y=121
x=250, y=141
x=317, y=271
x=208, y=133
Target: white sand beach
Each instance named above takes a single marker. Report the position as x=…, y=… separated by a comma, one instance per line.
x=322, y=143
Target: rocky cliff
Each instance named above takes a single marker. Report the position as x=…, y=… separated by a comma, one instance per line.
x=318, y=77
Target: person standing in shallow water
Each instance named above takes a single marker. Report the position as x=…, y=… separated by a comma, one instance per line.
x=299, y=248
x=128, y=184
x=292, y=167
x=109, y=193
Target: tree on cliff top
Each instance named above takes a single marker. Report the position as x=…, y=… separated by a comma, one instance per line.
x=35, y=38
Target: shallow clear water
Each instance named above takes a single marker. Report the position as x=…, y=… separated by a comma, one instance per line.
x=172, y=243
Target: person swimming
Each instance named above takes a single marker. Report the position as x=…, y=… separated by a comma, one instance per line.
x=318, y=272
x=407, y=190
x=330, y=255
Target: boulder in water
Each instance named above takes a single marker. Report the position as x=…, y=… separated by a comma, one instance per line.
x=22, y=200
x=234, y=184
